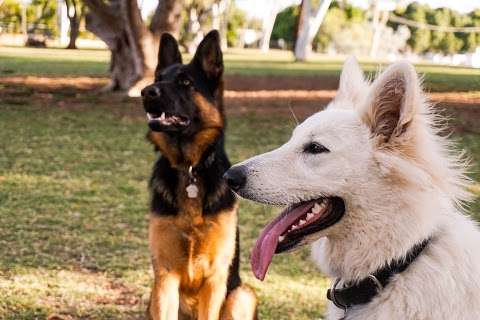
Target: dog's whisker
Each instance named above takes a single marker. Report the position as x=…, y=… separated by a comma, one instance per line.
x=293, y=113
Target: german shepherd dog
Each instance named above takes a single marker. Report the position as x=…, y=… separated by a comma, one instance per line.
x=193, y=232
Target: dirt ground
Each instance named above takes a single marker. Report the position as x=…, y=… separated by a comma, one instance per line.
x=244, y=94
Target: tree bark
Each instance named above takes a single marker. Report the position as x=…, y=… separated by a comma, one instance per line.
x=132, y=44
x=267, y=26
x=309, y=27
x=74, y=18
x=379, y=22
x=167, y=18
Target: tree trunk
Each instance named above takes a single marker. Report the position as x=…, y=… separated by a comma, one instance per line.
x=223, y=28
x=74, y=31
x=133, y=46
x=194, y=28
x=309, y=27
x=267, y=26
x=167, y=17
x=379, y=22
x=75, y=15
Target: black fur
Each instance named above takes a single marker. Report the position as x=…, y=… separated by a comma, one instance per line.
x=204, y=74
x=164, y=183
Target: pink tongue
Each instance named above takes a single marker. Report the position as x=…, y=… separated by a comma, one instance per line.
x=267, y=242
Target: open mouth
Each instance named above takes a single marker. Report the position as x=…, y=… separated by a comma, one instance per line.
x=166, y=120
x=292, y=228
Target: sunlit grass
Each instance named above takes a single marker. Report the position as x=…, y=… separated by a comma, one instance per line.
x=73, y=194
x=56, y=62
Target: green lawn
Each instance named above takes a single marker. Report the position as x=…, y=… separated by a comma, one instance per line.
x=73, y=202
x=51, y=62
x=73, y=194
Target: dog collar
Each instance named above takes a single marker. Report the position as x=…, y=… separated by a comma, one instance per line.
x=192, y=188
x=365, y=290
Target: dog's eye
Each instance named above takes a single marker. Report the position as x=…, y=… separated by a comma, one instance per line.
x=185, y=82
x=314, y=148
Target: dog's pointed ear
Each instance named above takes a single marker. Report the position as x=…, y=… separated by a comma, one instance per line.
x=392, y=102
x=352, y=85
x=168, y=53
x=209, y=57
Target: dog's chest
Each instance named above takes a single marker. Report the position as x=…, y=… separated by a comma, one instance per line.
x=195, y=247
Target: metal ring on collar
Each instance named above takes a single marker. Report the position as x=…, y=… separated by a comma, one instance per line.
x=334, y=298
x=376, y=281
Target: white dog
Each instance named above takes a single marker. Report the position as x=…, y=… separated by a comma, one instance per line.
x=371, y=183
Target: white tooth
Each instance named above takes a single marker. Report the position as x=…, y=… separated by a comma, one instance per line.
x=302, y=222
x=280, y=238
x=316, y=208
x=294, y=227
x=310, y=215
x=149, y=116
x=162, y=117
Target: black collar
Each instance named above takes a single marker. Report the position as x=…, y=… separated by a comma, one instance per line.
x=365, y=290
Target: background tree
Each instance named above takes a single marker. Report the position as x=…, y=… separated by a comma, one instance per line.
x=11, y=15
x=284, y=27
x=267, y=25
x=42, y=16
x=132, y=44
x=75, y=14
x=309, y=22
x=236, y=20
x=420, y=39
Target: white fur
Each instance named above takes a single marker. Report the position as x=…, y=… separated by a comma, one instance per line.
x=398, y=191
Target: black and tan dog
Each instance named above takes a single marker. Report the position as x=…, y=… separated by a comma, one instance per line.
x=193, y=230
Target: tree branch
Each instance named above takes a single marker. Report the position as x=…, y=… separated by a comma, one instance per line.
x=167, y=17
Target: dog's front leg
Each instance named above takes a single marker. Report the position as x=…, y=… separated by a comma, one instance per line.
x=164, y=300
x=211, y=297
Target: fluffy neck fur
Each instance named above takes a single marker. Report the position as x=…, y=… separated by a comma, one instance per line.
x=417, y=196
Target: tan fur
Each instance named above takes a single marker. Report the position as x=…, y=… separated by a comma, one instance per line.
x=241, y=303
x=165, y=146
x=209, y=114
x=191, y=153
x=192, y=255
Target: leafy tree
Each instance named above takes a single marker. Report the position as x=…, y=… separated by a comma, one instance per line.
x=284, y=27
x=335, y=21
x=11, y=14
x=237, y=20
x=41, y=14
x=419, y=39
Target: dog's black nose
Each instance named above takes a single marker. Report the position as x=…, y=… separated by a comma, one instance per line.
x=236, y=177
x=151, y=91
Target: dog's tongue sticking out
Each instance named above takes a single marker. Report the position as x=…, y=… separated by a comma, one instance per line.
x=267, y=242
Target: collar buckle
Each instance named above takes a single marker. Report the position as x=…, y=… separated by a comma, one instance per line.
x=331, y=295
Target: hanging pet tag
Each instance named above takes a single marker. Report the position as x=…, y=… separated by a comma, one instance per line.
x=192, y=190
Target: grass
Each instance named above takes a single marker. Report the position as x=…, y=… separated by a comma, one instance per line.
x=73, y=210
x=51, y=62
x=73, y=202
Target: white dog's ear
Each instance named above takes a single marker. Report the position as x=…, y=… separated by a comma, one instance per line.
x=352, y=86
x=391, y=103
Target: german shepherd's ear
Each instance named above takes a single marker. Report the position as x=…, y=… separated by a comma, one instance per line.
x=209, y=56
x=168, y=53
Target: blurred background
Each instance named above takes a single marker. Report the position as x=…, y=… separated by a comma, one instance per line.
x=74, y=163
